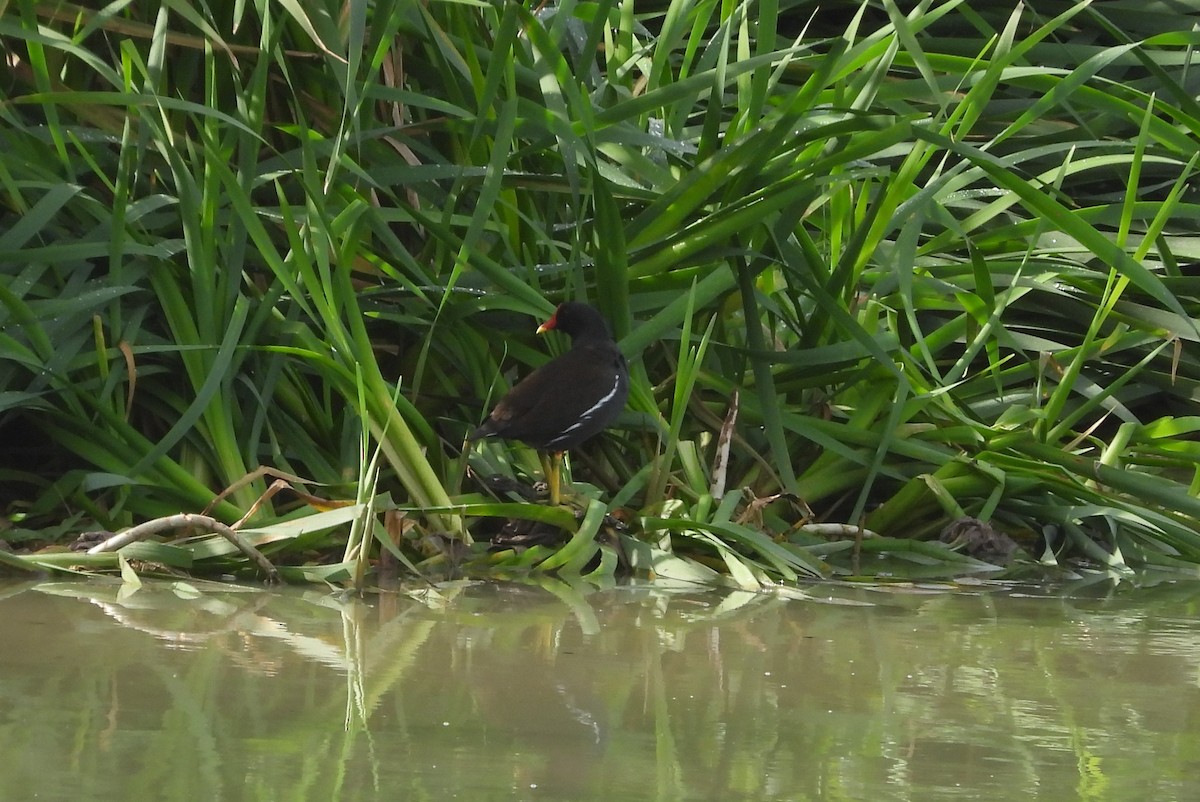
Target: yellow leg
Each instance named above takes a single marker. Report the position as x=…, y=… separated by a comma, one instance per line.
x=552, y=469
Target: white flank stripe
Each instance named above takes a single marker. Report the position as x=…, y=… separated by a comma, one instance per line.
x=587, y=414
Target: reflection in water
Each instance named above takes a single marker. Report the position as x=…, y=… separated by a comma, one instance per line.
x=490, y=691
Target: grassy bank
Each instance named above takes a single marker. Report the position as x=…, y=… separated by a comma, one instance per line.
x=918, y=266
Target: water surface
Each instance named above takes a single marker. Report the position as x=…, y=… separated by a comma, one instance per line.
x=514, y=692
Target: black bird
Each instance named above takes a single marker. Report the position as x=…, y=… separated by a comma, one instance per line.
x=568, y=399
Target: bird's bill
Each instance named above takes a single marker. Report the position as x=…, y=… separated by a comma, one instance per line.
x=549, y=324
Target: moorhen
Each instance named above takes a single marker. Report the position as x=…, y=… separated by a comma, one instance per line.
x=568, y=399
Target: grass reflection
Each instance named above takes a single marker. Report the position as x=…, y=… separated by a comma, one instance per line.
x=560, y=691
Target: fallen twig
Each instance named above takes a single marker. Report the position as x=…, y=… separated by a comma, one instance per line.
x=154, y=527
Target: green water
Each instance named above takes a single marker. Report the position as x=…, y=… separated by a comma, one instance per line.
x=508, y=692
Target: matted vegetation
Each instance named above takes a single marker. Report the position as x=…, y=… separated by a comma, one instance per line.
x=918, y=266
